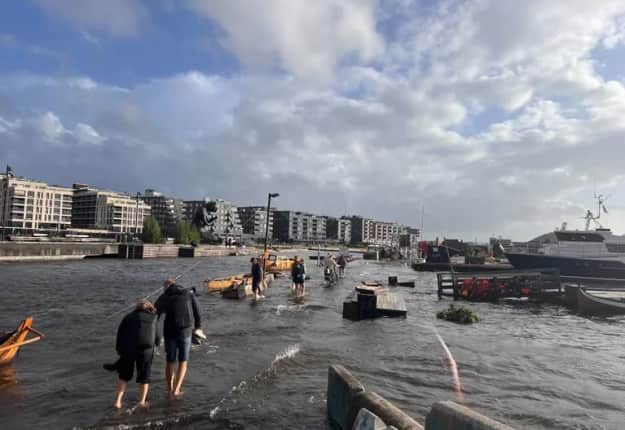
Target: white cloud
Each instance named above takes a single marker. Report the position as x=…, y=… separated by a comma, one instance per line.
x=50, y=127
x=492, y=114
x=308, y=39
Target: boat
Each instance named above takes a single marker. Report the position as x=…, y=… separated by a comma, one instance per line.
x=274, y=263
x=593, y=305
x=588, y=256
x=10, y=343
x=220, y=284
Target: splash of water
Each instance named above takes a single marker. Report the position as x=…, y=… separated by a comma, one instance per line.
x=289, y=352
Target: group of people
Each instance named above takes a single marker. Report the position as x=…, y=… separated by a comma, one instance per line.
x=139, y=333
x=333, y=267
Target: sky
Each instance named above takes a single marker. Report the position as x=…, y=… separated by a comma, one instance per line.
x=489, y=116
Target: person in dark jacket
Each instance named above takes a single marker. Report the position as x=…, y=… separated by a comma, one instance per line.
x=257, y=278
x=136, y=336
x=182, y=316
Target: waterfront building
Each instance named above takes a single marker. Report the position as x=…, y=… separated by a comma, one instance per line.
x=295, y=226
x=109, y=210
x=339, y=229
x=27, y=204
x=254, y=221
x=166, y=210
x=409, y=238
x=369, y=231
x=362, y=229
x=218, y=218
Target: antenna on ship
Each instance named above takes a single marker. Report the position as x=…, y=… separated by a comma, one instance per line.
x=601, y=199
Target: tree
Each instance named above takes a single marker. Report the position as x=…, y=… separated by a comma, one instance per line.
x=151, y=231
x=194, y=235
x=186, y=233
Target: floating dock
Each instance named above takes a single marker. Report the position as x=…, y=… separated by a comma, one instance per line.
x=490, y=286
x=370, y=300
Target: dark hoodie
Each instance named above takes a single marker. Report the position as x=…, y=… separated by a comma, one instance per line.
x=181, y=311
x=137, y=331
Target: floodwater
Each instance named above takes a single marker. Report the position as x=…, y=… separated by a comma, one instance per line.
x=265, y=365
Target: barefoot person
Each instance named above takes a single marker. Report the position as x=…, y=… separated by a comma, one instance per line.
x=182, y=314
x=136, y=337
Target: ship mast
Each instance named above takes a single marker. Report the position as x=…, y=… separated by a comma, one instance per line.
x=601, y=207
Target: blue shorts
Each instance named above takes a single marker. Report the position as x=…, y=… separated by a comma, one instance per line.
x=177, y=348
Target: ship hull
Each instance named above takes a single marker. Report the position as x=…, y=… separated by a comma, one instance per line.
x=571, y=267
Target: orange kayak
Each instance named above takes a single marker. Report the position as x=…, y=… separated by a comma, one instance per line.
x=10, y=343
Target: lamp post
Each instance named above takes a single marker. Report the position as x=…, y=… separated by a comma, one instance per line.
x=269, y=197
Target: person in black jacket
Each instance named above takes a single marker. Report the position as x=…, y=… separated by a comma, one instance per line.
x=136, y=336
x=257, y=278
x=182, y=315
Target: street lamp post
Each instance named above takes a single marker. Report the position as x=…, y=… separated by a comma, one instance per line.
x=269, y=197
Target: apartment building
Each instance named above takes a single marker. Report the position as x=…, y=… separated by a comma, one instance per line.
x=109, y=210
x=295, y=226
x=34, y=205
x=166, y=210
x=339, y=229
x=220, y=217
x=254, y=221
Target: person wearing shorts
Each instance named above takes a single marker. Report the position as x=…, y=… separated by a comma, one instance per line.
x=182, y=314
x=136, y=337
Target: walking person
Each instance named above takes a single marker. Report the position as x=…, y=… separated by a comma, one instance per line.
x=136, y=337
x=342, y=262
x=257, y=278
x=182, y=315
x=298, y=273
x=294, y=274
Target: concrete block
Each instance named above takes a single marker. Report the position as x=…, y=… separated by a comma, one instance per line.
x=366, y=420
x=343, y=387
x=449, y=415
x=384, y=409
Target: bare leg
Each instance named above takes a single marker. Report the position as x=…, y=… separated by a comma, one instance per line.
x=169, y=376
x=182, y=371
x=143, y=394
x=121, y=389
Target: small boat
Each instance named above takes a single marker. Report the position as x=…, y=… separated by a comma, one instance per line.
x=221, y=284
x=274, y=263
x=591, y=304
x=10, y=343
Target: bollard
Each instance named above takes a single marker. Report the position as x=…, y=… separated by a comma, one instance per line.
x=392, y=280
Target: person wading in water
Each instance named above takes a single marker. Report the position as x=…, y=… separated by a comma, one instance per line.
x=182, y=314
x=136, y=337
x=257, y=278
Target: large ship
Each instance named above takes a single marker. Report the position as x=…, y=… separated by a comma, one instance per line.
x=580, y=255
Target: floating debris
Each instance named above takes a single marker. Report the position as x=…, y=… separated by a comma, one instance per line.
x=458, y=314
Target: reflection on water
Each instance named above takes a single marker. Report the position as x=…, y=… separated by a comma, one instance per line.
x=7, y=376
x=264, y=365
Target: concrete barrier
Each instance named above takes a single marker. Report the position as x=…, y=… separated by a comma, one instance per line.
x=449, y=415
x=347, y=399
x=342, y=389
x=388, y=412
x=29, y=251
